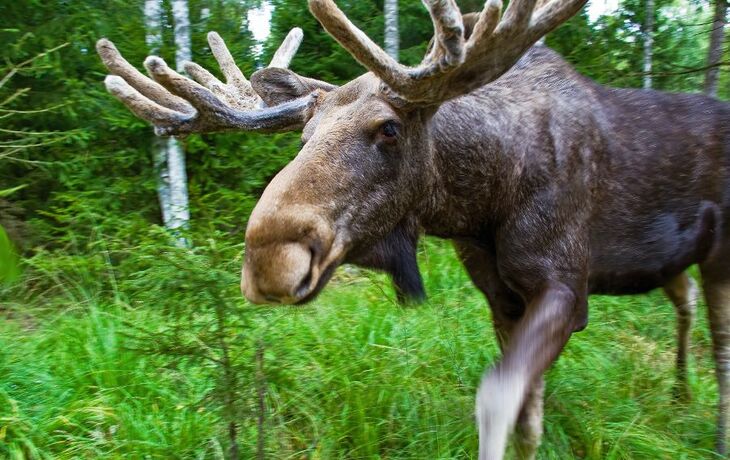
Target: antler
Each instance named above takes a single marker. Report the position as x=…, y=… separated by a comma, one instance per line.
x=454, y=65
x=177, y=105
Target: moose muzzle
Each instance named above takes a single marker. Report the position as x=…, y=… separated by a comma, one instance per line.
x=288, y=257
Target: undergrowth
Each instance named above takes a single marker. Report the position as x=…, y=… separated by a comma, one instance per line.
x=119, y=354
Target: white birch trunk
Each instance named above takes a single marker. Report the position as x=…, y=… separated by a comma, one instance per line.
x=648, y=42
x=714, y=55
x=159, y=147
x=153, y=39
x=179, y=208
x=392, y=40
x=153, y=29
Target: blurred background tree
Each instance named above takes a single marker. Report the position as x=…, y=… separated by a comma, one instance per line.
x=715, y=48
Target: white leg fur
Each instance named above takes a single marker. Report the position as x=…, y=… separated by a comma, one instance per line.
x=498, y=404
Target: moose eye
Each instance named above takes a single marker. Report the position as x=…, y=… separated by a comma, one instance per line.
x=389, y=129
x=388, y=132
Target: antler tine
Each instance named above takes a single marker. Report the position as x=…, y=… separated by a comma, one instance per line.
x=117, y=65
x=142, y=106
x=449, y=27
x=202, y=76
x=516, y=16
x=487, y=22
x=228, y=66
x=552, y=14
x=198, y=95
x=359, y=45
x=288, y=48
x=236, y=92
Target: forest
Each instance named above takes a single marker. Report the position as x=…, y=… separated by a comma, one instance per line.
x=123, y=331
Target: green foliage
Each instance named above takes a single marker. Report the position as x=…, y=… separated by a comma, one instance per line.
x=611, y=49
x=8, y=258
x=352, y=376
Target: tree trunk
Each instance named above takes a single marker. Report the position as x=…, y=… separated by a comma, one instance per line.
x=714, y=55
x=648, y=42
x=159, y=146
x=179, y=209
x=392, y=41
x=152, y=14
x=153, y=39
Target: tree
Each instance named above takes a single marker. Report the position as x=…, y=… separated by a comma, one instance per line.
x=648, y=42
x=714, y=54
x=153, y=39
x=169, y=156
x=179, y=208
x=390, y=11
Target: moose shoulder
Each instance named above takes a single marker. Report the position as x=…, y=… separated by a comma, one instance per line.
x=552, y=186
x=644, y=171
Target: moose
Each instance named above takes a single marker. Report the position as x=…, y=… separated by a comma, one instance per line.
x=551, y=186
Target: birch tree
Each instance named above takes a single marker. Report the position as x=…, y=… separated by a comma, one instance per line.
x=153, y=39
x=179, y=208
x=169, y=158
x=392, y=41
x=714, y=54
x=648, y=42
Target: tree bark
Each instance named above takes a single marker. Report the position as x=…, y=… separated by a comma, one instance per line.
x=153, y=29
x=714, y=54
x=392, y=40
x=648, y=42
x=153, y=39
x=179, y=208
x=159, y=146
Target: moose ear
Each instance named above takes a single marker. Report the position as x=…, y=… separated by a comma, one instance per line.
x=276, y=86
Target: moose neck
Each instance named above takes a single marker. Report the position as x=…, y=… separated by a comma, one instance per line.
x=496, y=146
x=478, y=173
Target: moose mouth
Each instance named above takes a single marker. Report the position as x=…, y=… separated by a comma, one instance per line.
x=321, y=283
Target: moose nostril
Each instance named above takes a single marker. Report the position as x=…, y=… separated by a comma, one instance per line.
x=303, y=286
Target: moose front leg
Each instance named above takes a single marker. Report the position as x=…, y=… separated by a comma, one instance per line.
x=528, y=429
x=536, y=341
x=507, y=309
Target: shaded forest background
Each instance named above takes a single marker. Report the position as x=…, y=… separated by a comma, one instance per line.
x=115, y=342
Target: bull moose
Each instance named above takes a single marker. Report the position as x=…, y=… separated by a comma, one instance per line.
x=551, y=186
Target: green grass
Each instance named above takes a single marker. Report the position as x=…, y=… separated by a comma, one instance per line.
x=352, y=376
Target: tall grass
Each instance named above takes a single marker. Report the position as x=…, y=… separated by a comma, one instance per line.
x=352, y=376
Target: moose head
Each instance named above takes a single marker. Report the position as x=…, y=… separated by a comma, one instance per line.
x=367, y=176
